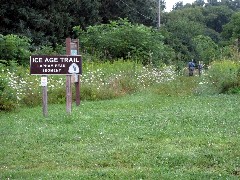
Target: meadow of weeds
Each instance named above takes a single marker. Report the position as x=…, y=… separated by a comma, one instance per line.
x=164, y=127
x=99, y=81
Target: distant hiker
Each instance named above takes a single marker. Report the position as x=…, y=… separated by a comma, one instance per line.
x=191, y=67
x=200, y=67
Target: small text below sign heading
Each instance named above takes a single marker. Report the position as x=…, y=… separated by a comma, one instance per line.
x=55, y=65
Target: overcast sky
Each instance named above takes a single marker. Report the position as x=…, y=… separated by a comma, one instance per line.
x=171, y=3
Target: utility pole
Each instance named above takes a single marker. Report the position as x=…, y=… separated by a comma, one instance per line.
x=159, y=14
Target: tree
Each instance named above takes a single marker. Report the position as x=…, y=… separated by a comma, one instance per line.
x=231, y=31
x=193, y=14
x=178, y=5
x=199, y=3
x=206, y=48
x=183, y=25
x=137, y=11
x=217, y=16
x=234, y=4
x=121, y=39
x=163, y=4
x=213, y=2
x=46, y=21
x=13, y=47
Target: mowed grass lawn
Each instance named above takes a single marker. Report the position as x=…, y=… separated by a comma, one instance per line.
x=140, y=136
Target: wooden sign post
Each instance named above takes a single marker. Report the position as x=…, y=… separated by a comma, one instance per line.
x=68, y=81
x=72, y=48
x=44, y=95
x=68, y=65
x=75, y=51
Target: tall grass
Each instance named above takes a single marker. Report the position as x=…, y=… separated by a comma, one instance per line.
x=99, y=81
x=115, y=79
x=221, y=77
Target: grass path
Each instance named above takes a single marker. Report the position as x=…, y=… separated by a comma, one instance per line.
x=142, y=136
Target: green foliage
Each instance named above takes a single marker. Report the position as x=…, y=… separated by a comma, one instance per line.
x=189, y=21
x=231, y=31
x=19, y=87
x=182, y=31
x=181, y=86
x=57, y=95
x=99, y=81
x=8, y=99
x=47, y=22
x=206, y=49
x=222, y=77
x=118, y=39
x=49, y=50
x=199, y=3
x=193, y=14
x=13, y=47
x=92, y=93
x=217, y=16
x=137, y=11
x=123, y=39
x=31, y=98
x=232, y=4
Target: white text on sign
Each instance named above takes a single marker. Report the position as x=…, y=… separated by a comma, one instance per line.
x=61, y=59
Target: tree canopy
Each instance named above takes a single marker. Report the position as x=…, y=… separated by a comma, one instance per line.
x=49, y=22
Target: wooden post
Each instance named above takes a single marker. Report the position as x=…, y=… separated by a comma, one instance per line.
x=77, y=77
x=77, y=88
x=44, y=96
x=68, y=81
x=68, y=94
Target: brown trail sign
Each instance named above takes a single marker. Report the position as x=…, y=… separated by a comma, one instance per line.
x=69, y=65
x=55, y=65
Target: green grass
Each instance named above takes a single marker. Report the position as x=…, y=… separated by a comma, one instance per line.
x=140, y=136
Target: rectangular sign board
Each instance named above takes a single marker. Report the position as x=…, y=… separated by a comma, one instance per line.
x=55, y=65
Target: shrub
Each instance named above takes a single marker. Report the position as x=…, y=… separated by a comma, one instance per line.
x=13, y=47
x=31, y=98
x=206, y=48
x=222, y=77
x=57, y=95
x=49, y=50
x=8, y=99
x=122, y=39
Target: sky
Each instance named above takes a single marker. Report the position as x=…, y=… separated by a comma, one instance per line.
x=171, y=3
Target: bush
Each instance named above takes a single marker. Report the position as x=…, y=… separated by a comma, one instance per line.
x=57, y=95
x=206, y=48
x=13, y=47
x=222, y=77
x=8, y=100
x=121, y=39
x=49, y=50
x=31, y=99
